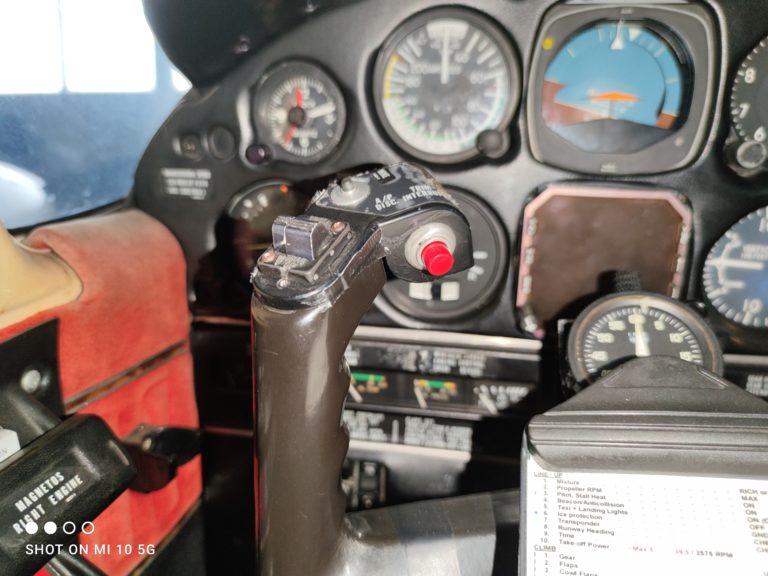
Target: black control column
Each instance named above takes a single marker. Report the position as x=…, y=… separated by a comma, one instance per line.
x=310, y=291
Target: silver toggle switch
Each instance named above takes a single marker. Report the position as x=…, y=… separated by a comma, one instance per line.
x=300, y=236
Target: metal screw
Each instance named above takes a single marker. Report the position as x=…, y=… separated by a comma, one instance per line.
x=347, y=184
x=337, y=227
x=268, y=257
x=31, y=381
x=282, y=283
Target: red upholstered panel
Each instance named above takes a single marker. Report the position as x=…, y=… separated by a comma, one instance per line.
x=136, y=518
x=133, y=307
x=134, y=301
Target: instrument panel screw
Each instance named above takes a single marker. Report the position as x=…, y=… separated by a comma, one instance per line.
x=268, y=257
x=338, y=227
x=347, y=184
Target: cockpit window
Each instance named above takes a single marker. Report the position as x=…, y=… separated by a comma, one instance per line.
x=83, y=87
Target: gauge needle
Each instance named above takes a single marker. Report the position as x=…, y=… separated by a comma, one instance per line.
x=322, y=110
x=420, y=398
x=289, y=133
x=735, y=263
x=641, y=344
x=487, y=402
x=292, y=127
x=444, y=69
x=618, y=42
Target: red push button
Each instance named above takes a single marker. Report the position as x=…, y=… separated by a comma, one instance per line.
x=438, y=260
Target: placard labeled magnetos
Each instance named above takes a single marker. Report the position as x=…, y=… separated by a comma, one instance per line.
x=604, y=524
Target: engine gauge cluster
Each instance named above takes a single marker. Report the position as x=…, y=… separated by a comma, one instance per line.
x=446, y=85
x=299, y=113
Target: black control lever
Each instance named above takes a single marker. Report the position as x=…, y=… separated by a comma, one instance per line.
x=52, y=473
x=311, y=288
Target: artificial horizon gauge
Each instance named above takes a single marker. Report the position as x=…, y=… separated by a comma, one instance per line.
x=629, y=325
x=617, y=87
x=749, y=109
x=735, y=273
x=446, y=85
x=622, y=89
x=299, y=113
x=455, y=296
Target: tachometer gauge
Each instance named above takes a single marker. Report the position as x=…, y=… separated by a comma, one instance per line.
x=749, y=108
x=455, y=296
x=445, y=77
x=617, y=86
x=630, y=325
x=736, y=271
x=299, y=113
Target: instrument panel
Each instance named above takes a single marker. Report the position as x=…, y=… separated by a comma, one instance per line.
x=649, y=158
x=637, y=100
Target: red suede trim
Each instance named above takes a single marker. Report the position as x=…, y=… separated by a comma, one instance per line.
x=133, y=306
x=134, y=301
x=157, y=398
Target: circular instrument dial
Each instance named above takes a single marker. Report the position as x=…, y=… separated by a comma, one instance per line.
x=615, y=87
x=633, y=325
x=252, y=213
x=736, y=271
x=749, y=107
x=441, y=80
x=300, y=113
x=457, y=295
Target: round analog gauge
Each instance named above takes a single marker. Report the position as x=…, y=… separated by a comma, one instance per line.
x=749, y=107
x=252, y=213
x=445, y=77
x=457, y=295
x=620, y=327
x=616, y=87
x=299, y=113
x=736, y=271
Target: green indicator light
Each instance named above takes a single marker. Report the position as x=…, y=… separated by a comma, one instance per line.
x=363, y=377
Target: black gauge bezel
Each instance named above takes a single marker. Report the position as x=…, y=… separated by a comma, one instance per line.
x=277, y=74
x=757, y=58
x=694, y=36
x=407, y=313
x=710, y=346
x=489, y=27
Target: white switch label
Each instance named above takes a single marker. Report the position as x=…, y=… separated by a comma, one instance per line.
x=9, y=443
x=589, y=524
